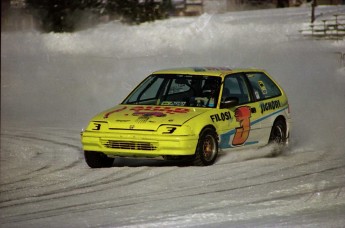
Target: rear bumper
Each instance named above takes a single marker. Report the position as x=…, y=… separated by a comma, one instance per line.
x=141, y=144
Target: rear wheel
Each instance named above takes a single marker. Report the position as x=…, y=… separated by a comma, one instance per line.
x=97, y=159
x=207, y=149
x=278, y=136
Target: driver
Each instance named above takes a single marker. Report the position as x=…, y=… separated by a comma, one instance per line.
x=210, y=90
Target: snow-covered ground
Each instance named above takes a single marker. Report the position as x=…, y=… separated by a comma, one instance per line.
x=52, y=84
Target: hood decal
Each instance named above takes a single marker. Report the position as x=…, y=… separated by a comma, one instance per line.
x=106, y=115
x=148, y=117
x=157, y=111
x=148, y=111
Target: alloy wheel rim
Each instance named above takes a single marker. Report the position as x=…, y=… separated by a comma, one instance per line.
x=209, y=148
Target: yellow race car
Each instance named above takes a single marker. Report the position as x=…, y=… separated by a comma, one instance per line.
x=190, y=113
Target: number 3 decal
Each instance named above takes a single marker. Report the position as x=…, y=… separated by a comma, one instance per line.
x=97, y=127
x=242, y=115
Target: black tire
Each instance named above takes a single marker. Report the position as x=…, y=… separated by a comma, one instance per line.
x=278, y=136
x=97, y=159
x=207, y=150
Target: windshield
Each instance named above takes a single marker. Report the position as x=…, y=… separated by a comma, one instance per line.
x=177, y=90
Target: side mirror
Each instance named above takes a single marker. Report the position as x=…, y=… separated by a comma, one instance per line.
x=229, y=102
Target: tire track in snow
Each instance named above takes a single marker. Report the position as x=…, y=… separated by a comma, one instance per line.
x=129, y=185
x=143, y=199
x=92, y=186
x=47, y=168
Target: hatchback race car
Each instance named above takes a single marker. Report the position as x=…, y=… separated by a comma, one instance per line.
x=190, y=113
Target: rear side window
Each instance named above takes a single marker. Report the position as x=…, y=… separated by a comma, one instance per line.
x=263, y=86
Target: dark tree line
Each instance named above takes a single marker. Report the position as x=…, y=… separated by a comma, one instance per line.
x=64, y=15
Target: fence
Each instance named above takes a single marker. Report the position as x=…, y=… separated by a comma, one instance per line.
x=333, y=28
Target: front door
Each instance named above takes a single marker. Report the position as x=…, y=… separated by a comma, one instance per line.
x=243, y=128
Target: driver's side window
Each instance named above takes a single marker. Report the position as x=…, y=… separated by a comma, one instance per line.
x=235, y=86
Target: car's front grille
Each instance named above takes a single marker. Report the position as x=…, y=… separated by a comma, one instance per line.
x=128, y=145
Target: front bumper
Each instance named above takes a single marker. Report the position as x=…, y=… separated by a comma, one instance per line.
x=138, y=144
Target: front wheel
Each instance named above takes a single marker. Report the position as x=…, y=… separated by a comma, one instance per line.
x=97, y=159
x=207, y=150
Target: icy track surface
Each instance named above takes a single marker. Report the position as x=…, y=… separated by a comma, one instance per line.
x=52, y=84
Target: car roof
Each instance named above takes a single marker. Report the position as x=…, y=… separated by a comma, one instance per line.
x=207, y=71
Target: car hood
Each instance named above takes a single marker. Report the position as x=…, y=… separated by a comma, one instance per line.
x=147, y=117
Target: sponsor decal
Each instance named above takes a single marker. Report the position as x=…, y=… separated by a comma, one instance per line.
x=267, y=106
x=226, y=137
x=220, y=117
x=116, y=110
x=201, y=69
x=143, y=119
x=174, y=103
x=148, y=111
x=145, y=112
x=148, y=114
x=218, y=68
x=262, y=87
x=157, y=111
x=257, y=95
x=242, y=115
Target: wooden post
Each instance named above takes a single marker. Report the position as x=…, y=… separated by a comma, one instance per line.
x=324, y=28
x=313, y=5
x=336, y=26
